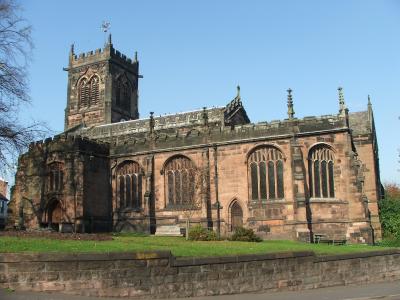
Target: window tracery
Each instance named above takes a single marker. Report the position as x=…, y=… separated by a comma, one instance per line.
x=321, y=172
x=266, y=174
x=129, y=185
x=88, y=91
x=179, y=176
x=56, y=177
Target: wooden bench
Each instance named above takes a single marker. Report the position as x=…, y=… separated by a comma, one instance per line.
x=322, y=239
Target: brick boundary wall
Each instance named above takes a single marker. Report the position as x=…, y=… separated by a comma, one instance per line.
x=158, y=274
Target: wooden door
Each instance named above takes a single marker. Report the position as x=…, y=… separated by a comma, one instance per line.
x=236, y=216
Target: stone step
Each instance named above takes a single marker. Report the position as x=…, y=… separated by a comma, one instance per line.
x=168, y=230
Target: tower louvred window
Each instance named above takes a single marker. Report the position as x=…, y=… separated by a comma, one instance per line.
x=321, y=172
x=89, y=91
x=265, y=166
x=94, y=90
x=83, y=93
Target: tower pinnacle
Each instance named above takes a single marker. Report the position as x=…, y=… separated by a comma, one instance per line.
x=290, y=111
x=342, y=105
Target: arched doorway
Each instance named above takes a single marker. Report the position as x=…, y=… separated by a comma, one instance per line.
x=54, y=213
x=236, y=216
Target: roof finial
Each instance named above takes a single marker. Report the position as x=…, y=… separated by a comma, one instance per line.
x=370, y=113
x=342, y=105
x=109, y=39
x=238, y=91
x=290, y=111
x=151, y=124
x=136, y=56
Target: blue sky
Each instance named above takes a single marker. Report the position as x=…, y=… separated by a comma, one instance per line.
x=194, y=53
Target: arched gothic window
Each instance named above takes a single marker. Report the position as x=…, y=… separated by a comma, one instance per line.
x=179, y=176
x=56, y=177
x=129, y=185
x=321, y=163
x=88, y=91
x=266, y=174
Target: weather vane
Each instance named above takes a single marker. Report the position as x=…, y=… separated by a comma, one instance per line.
x=105, y=27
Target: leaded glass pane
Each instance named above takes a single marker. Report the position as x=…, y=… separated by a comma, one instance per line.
x=56, y=180
x=324, y=181
x=185, y=187
x=271, y=180
x=134, y=192
x=139, y=191
x=128, y=195
x=254, y=181
x=61, y=180
x=279, y=170
x=51, y=181
x=317, y=189
x=331, y=180
x=263, y=180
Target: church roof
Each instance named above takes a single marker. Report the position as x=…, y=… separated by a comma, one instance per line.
x=231, y=114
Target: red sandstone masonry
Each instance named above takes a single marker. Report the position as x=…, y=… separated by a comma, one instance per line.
x=160, y=275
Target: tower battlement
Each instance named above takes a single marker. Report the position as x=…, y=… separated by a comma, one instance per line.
x=100, y=54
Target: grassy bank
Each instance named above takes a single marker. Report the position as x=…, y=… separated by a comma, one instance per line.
x=178, y=246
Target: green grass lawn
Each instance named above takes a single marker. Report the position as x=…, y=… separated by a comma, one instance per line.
x=177, y=245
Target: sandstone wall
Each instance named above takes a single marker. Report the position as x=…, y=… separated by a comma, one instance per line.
x=160, y=275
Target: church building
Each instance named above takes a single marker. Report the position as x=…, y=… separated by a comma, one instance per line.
x=113, y=171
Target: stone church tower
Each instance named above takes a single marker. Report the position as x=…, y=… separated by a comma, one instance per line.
x=102, y=88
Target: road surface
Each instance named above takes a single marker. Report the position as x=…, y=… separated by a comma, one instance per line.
x=381, y=291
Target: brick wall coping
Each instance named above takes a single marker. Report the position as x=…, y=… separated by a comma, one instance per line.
x=356, y=255
x=182, y=261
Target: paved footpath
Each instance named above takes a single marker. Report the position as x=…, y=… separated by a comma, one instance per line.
x=381, y=291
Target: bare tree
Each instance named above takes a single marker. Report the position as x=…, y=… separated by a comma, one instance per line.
x=15, y=54
x=193, y=198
